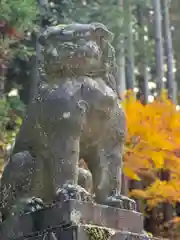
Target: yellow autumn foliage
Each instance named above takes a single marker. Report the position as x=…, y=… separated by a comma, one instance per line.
x=153, y=143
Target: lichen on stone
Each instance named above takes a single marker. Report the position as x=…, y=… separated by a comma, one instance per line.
x=98, y=233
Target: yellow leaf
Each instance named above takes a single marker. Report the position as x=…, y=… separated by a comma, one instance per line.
x=138, y=193
x=176, y=220
x=158, y=159
x=131, y=174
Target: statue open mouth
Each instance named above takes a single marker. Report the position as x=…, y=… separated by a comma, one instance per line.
x=68, y=57
x=74, y=50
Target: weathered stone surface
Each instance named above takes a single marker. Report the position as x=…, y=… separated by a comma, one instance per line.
x=91, y=232
x=83, y=232
x=72, y=213
x=75, y=114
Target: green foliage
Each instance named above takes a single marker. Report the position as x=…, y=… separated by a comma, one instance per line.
x=24, y=52
x=11, y=112
x=3, y=112
x=16, y=18
x=18, y=13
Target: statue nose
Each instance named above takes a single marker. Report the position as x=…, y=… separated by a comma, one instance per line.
x=90, y=50
x=92, y=45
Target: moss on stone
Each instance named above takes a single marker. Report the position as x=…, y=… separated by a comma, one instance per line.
x=98, y=233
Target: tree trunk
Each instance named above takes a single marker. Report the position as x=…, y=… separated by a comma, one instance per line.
x=121, y=73
x=168, y=50
x=159, y=45
x=3, y=69
x=34, y=66
x=121, y=82
x=35, y=60
x=171, y=86
x=144, y=92
x=129, y=48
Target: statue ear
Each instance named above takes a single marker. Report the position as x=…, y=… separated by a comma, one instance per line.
x=51, y=31
x=43, y=37
x=101, y=30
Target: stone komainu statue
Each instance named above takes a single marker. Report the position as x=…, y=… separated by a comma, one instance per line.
x=75, y=114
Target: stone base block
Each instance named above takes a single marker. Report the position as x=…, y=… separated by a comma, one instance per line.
x=73, y=214
x=84, y=232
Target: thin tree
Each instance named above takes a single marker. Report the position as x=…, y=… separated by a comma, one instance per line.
x=129, y=47
x=122, y=87
x=121, y=61
x=143, y=84
x=168, y=50
x=144, y=92
x=159, y=45
x=171, y=86
x=35, y=60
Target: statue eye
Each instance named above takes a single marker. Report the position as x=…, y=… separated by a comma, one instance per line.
x=77, y=34
x=82, y=34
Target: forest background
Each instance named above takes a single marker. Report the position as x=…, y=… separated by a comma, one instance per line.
x=147, y=48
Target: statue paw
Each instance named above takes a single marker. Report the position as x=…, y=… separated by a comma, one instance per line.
x=33, y=204
x=120, y=201
x=128, y=203
x=114, y=202
x=27, y=205
x=73, y=192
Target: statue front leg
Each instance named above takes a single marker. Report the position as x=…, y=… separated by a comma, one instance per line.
x=108, y=185
x=85, y=179
x=65, y=172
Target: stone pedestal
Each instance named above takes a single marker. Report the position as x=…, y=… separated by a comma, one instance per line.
x=73, y=220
